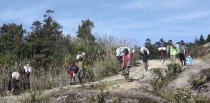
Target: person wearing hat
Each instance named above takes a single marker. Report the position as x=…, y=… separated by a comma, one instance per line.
x=126, y=64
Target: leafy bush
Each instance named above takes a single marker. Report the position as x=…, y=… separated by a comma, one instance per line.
x=157, y=72
x=181, y=95
x=173, y=69
x=200, y=99
x=196, y=81
x=157, y=84
x=106, y=68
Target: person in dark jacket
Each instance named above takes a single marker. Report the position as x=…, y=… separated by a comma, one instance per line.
x=145, y=58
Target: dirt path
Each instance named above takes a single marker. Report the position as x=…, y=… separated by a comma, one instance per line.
x=139, y=76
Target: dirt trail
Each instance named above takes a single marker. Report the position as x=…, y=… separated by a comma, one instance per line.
x=139, y=76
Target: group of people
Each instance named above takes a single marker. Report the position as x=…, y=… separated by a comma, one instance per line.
x=171, y=51
x=73, y=70
x=19, y=81
x=177, y=50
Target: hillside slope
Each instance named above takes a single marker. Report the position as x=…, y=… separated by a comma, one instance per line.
x=114, y=87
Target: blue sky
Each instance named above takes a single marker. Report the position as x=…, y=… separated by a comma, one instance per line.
x=133, y=19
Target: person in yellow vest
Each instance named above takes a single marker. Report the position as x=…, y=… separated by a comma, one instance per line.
x=171, y=51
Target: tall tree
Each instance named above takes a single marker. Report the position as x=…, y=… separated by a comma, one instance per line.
x=208, y=39
x=87, y=39
x=11, y=40
x=45, y=40
x=148, y=43
x=201, y=40
x=84, y=30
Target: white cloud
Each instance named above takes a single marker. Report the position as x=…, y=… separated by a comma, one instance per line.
x=157, y=4
x=187, y=16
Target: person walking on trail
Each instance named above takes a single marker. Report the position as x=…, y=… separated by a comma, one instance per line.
x=145, y=57
x=81, y=72
x=162, y=55
x=72, y=71
x=182, y=52
x=171, y=51
x=126, y=64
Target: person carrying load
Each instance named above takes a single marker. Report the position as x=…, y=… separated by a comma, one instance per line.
x=162, y=50
x=81, y=72
x=126, y=64
x=120, y=52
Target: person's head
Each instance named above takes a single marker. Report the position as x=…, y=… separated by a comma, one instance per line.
x=126, y=51
x=80, y=58
x=182, y=42
x=72, y=62
x=22, y=71
x=170, y=42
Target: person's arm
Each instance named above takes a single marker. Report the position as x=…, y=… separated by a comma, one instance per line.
x=174, y=46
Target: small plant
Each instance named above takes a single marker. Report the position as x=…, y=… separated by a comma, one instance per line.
x=157, y=72
x=36, y=97
x=200, y=99
x=174, y=69
x=101, y=97
x=181, y=95
x=196, y=81
x=157, y=84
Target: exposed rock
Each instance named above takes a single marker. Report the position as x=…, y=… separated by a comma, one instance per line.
x=182, y=79
x=201, y=51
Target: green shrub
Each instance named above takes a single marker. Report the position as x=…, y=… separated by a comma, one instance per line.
x=173, y=69
x=36, y=97
x=181, y=95
x=157, y=72
x=200, y=99
x=106, y=68
x=101, y=97
x=157, y=84
x=196, y=81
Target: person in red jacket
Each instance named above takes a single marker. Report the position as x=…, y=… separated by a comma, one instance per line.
x=126, y=64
